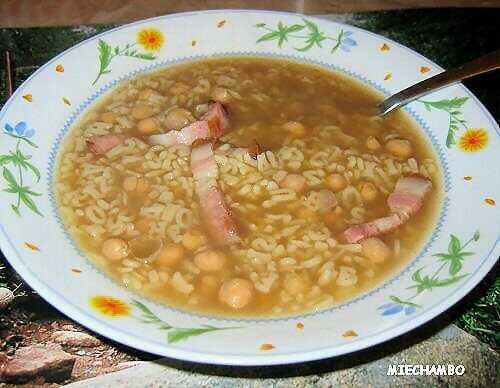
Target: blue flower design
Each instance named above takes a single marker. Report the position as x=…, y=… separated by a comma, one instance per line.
x=396, y=308
x=346, y=42
x=20, y=130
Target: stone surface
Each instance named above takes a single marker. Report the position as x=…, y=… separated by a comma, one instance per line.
x=33, y=362
x=362, y=369
x=74, y=338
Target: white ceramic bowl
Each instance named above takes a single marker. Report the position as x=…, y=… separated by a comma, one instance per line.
x=34, y=241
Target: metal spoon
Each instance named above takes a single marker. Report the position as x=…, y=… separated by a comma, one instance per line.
x=477, y=66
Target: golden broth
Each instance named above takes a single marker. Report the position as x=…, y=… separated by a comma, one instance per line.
x=312, y=122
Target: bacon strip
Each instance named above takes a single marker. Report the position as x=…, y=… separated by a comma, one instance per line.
x=213, y=124
x=373, y=228
x=408, y=195
x=404, y=201
x=101, y=144
x=216, y=214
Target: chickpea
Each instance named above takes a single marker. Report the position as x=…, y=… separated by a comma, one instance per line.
x=400, y=148
x=193, y=239
x=375, y=250
x=108, y=117
x=140, y=111
x=336, y=182
x=145, y=94
x=295, y=128
x=115, y=249
x=134, y=184
x=333, y=217
x=143, y=246
x=177, y=118
x=210, y=260
x=295, y=182
x=169, y=255
x=148, y=125
x=209, y=284
x=372, y=143
x=236, y=293
x=143, y=224
x=326, y=201
x=296, y=284
x=368, y=191
x=221, y=95
x=306, y=213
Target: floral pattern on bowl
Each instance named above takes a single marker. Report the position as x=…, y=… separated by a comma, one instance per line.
x=454, y=259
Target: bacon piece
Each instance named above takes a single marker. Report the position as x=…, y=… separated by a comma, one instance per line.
x=101, y=144
x=212, y=124
x=414, y=185
x=359, y=232
x=388, y=224
x=408, y=195
x=404, y=204
x=378, y=226
x=187, y=135
x=404, y=201
x=216, y=214
x=217, y=119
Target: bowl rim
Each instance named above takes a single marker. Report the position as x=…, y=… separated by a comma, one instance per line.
x=101, y=327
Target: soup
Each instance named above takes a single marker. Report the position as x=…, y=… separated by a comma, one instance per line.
x=246, y=187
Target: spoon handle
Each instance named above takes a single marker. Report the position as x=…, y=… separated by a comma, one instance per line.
x=477, y=66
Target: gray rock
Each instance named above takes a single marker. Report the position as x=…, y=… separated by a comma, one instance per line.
x=33, y=362
x=366, y=368
x=74, y=338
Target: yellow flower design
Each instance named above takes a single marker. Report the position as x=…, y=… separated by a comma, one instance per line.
x=150, y=38
x=472, y=140
x=109, y=306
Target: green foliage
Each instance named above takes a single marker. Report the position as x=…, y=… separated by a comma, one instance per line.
x=450, y=106
x=312, y=35
x=482, y=315
x=175, y=334
x=452, y=259
x=107, y=53
x=403, y=302
x=16, y=186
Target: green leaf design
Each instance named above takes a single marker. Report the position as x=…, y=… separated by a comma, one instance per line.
x=454, y=245
x=269, y=36
x=149, y=317
x=182, y=334
x=16, y=210
x=105, y=54
x=283, y=33
x=175, y=334
x=455, y=267
x=450, y=106
x=33, y=169
x=146, y=56
x=453, y=259
x=24, y=139
x=447, y=104
x=447, y=282
x=25, y=198
x=5, y=159
x=404, y=302
x=21, y=162
x=7, y=175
